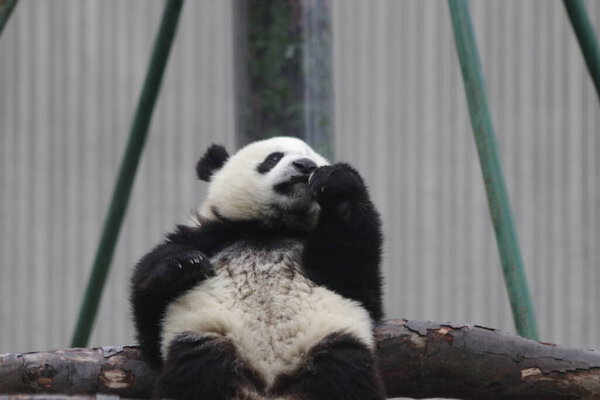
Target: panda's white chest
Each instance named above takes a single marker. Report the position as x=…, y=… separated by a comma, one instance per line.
x=263, y=283
x=261, y=301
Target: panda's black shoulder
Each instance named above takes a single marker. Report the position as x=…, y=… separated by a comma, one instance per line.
x=213, y=236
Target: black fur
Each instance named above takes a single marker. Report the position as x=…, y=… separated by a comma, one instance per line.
x=161, y=276
x=342, y=253
x=212, y=161
x=205, y=367
x=270, y=162
x=339, y=367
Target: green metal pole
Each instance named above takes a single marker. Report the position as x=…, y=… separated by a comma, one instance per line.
x=6, y=9
x=587, y=38
x=129, y=164
x=485, y=138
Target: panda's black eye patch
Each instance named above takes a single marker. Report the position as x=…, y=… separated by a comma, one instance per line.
x=270, y=161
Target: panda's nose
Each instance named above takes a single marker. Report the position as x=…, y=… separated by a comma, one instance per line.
x=305, y=165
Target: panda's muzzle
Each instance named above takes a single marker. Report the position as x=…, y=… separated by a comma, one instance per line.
x=304, y=165
x=299, y=179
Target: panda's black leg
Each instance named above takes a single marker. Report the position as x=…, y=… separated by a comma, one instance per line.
x=339, y=367
x=205, y=367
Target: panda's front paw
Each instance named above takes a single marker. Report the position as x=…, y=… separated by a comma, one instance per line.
x=177, y=271
x=337, y=186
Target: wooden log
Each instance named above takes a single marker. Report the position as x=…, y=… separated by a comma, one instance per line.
x=425, y=359
x=417, y=359
x=30, y=396
x=110, y=370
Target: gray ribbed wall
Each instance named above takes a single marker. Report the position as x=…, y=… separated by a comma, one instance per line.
x=402, y=118
x=70, y=74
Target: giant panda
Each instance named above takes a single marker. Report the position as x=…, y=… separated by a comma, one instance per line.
x=273, y=290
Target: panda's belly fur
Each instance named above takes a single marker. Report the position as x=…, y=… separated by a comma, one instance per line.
x=261, y=301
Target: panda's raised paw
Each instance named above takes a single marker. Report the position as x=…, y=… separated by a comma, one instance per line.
x=178, y=271
x=192, y=262
x=335, y=184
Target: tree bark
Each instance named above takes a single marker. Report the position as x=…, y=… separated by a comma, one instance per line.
x=417, y=359
x=57, y=397
x=111, y=370
x=425, y=359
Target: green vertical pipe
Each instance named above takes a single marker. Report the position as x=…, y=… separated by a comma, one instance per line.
x=6, y=9
x=587, y=38
x=506, y=237
x=127, y=171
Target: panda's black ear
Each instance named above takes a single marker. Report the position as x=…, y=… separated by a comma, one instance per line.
x=212, y=161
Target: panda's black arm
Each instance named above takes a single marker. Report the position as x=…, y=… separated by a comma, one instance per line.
x=161, y=275
x=343, y=253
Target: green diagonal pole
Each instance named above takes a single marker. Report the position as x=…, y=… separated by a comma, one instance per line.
x=485, y=138
x=6, y=9
x=127, y=171
x=587, y=38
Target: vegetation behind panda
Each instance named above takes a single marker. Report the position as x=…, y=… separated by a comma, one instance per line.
x=273, y=291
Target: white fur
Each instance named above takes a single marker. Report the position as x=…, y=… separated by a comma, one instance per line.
x=262, y=303
x=239, y=192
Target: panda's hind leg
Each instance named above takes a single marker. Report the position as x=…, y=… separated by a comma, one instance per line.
x=338, y=367
x=206, y=367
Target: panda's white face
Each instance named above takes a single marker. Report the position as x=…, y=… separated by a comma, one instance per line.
x=266, y=181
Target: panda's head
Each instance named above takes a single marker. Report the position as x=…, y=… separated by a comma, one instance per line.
x=266, y=181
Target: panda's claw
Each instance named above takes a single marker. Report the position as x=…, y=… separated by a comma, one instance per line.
x=185, y=261
x=175, y=271
x=192, y=263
